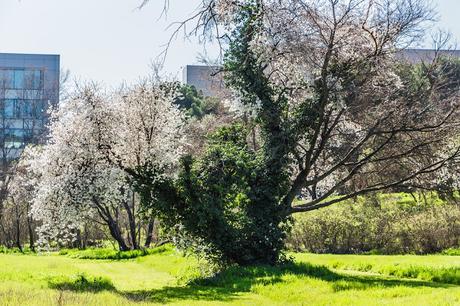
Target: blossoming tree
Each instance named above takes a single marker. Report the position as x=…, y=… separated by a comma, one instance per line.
x=95, y=140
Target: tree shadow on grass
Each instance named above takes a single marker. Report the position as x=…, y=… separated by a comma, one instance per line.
x=229, y=284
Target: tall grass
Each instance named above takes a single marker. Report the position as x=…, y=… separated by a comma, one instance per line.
x=384, y=224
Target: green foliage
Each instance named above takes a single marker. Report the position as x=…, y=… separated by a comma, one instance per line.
x=194, y=103
x=228, y=204
x=383, y=224
x=98, y=253
x=217, y=201
x=25, y=250
x=451, y=252
x=81, y=282
x=233, y=204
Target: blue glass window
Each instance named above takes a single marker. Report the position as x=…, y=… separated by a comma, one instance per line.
x=39, y=108
x=2, y=78
x=37, y=83
x=8, y=109
x=27, y=108
x=32, y=79
x=19, y=79
x=14, y=138
x=19, y=133
x=17, y=109
x=28, y=134
x=29, y=79
x=7, y=80
x=14, y=134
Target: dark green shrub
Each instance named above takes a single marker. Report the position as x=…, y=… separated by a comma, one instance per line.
x=223, y=205
x=25, y=250
x=195, y=103
x=111, y=254
x=81, y=282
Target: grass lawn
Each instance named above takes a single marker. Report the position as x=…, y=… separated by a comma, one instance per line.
x=311, y=280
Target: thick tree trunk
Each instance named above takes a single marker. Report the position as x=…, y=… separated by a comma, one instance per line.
x=116, y=234
x=78, y=243
x=30, y=230
x=132, y=224
x=149, y=238
x=85, y=236
x=18, y=226
x=112, y=223
x=18, y=234
x=3, y=236
x=31, y=234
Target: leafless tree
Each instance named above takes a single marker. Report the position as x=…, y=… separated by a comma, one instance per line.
x=336, y=98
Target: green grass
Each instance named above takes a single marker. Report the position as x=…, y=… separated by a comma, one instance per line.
x=433, y=268
x=452, y=252
x=82, y=283
x=158, y=279
x=107, y=253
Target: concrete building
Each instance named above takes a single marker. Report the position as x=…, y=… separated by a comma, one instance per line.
x=427, y=55
x=209, y=80
x=29, y=84
x=206, y=79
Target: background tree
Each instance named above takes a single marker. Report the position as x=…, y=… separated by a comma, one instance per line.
x=83, y=169
x=337, y=118
x=195, y=104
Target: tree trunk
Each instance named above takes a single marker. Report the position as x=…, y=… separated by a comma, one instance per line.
x=149, y=238
x=18, y=234
x=30, y=230
x=18, y=226
x=116, y=234
x=132, y=224
x=85, y=236
x=31, y=234
x=78, y=243
x=112, y=223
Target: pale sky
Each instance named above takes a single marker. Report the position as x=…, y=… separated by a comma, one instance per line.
x=110, y=41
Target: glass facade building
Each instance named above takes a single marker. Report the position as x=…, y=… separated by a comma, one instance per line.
x=29, y=84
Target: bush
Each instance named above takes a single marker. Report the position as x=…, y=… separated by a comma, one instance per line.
x=223, y=206
x=25, y=250
x=385, y=226
x=451, y=252
x=81, y=282
x=111, y=254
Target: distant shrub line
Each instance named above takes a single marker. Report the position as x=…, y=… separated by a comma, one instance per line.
x=385, y=224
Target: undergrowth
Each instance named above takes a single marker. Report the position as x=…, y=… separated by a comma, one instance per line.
x=81, y=283
x=111, y=254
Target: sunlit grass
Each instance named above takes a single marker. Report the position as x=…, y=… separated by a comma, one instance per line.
x=436, y=268
x=154, y=279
